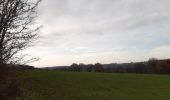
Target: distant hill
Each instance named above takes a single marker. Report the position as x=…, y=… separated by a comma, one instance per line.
x=150, y=66
x=61, y=68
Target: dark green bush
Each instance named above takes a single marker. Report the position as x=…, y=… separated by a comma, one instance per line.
x=9, y=88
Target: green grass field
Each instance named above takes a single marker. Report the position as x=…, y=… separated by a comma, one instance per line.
x=54, y=85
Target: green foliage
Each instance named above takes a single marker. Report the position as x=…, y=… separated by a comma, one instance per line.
x=54, y=85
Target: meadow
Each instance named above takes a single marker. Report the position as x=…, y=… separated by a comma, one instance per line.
x=57, y=85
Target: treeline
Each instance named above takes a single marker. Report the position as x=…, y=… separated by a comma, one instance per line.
x=86, y=68
x=151, y=66
x=18, y=67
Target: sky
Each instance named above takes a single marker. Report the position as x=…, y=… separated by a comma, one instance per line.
x=104, y=31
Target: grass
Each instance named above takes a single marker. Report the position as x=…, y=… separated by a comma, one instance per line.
x=54, y=85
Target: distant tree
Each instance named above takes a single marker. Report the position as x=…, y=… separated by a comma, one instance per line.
x=109, y=69
x=90, y=67
x=119, y=69
x=16, y=31
x=98, y=67
x=152, y=65
x=82, y=67
x=140, y=68
x=163, y=67
x=167, y=66
x=130, y=68
x=74, y=67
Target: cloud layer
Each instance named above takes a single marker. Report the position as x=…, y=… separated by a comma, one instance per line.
x=105, y=31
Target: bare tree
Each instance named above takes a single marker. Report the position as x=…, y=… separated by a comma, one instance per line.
x=16, y=30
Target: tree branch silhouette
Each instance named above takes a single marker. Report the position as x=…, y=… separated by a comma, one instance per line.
x=16, y=30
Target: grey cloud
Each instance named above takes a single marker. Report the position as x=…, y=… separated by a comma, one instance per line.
x=96, y=26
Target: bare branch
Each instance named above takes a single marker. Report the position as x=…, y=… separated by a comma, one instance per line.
x=16, y=17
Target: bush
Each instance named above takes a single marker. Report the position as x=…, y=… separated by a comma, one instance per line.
x=9, y=88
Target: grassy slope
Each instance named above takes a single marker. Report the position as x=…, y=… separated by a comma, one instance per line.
x=55, y=85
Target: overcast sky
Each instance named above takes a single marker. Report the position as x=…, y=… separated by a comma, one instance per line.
x=105, y=31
